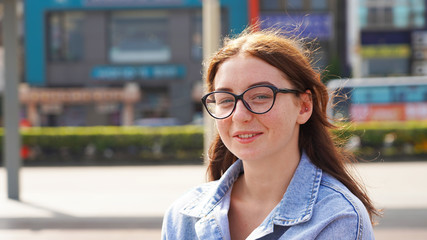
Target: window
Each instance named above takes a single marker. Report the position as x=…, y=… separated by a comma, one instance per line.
x=269, y=4
x=294, y=5
x=392, y=14
x=139, y=37
x=154, y=104
x=319, y=4
x=387, y=66
x=65, y=36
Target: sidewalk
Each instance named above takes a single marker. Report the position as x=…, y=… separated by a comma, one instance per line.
x=128, y=202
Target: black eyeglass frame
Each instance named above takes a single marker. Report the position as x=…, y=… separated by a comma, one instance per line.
x=240, y=97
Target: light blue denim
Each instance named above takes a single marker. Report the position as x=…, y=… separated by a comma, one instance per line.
x=315, y=206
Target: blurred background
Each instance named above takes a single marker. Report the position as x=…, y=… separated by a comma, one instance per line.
x=111, y=122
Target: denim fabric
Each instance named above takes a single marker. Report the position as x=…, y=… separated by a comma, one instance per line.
x=315, y=206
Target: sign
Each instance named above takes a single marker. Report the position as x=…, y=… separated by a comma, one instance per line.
x=127, y=73
x=121, y=3
x=386, y=51
x=49, y=96
x=388, y=112
x=315, y=25
x=416, y=111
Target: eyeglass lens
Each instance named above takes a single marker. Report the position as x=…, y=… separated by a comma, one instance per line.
x=257, y=100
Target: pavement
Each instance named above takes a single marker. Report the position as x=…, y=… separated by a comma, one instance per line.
x=109, y=203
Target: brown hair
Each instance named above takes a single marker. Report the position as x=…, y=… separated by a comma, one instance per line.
x=288, y=55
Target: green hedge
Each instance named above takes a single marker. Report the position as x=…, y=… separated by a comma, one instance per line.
x=184, y=144
x=112, y=145
x=388, y=140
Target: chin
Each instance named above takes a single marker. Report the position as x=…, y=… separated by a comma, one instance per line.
x=247, y=155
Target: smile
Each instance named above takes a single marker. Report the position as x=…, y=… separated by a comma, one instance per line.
x=246, y=135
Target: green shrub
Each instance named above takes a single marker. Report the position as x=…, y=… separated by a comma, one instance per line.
x=184, y=144
x=389, y=139
x=112, y=145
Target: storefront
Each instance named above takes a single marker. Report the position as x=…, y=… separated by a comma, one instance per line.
x=102, y=43
x=390, y=41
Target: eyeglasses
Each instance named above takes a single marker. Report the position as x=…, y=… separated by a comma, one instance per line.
x=257, y=99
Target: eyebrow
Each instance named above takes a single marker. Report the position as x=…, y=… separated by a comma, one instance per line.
x=252, y=85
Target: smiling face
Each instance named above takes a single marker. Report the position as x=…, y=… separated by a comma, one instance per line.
x=250, y=136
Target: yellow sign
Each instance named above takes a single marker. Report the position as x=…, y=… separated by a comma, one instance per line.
x=386, y=51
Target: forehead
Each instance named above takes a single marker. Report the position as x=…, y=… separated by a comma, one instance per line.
x=242, y=71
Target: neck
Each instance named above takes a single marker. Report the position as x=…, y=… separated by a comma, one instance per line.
x=266, y=181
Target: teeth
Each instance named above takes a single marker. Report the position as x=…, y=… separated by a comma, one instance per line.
x=246, y=135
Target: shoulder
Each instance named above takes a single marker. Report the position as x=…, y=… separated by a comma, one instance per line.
x=179, y=219
x=190, y=198
x=341, y=211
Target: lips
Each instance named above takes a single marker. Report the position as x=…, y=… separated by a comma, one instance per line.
x=246, y=137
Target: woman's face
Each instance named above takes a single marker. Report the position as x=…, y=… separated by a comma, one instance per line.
x=252, y=136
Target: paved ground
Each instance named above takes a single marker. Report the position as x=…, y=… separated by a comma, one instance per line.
x=109, y=203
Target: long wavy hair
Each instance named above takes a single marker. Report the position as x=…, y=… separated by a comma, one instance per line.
x=291, y=57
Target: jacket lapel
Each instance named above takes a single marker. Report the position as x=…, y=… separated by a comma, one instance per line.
x=208, y=228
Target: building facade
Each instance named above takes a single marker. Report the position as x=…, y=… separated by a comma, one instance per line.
x=321, y=22
x=158, y=46
x=107, y=44
x=393, y=37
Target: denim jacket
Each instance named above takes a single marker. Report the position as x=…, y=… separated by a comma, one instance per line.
x=315, y=206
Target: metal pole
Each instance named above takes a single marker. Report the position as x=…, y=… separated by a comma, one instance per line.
x=11, y=137
x=353, y=38
x=211, y=38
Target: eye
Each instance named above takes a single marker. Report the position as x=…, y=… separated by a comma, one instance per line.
x=262, y=96
x=209, y=101
x=224, y=101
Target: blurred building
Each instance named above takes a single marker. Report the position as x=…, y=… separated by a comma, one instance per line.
x=322, y=21
x=393, y=37
x=157, y=45
x=104, y=44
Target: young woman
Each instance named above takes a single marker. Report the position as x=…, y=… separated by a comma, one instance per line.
x=275, y=170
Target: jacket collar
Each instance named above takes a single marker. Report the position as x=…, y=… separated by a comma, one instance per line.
x=209, y=199
x=295, y=207
x=297, y=204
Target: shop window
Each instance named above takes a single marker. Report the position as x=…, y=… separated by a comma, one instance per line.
x=155, y=104
x=65, y=36
x=139, y=37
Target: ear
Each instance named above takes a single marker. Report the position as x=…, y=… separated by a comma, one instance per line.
x=306, y=107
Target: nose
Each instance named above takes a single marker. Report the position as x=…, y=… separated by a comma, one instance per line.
x=241, y=113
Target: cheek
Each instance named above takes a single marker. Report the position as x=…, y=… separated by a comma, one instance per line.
x=282, y=124
x=222, y=126
x=283, y=114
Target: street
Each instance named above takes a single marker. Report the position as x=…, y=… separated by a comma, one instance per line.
x=128, y=202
